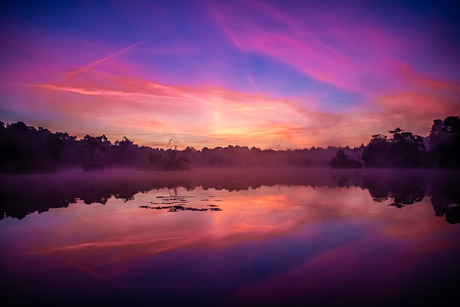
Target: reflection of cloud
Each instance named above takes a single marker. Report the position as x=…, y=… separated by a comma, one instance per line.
x=99, y=276
x=305, y=242
x=370, y=263
x=247, y=215
x=100, y=245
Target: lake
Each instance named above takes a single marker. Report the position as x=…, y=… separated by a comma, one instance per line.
x=253, y=237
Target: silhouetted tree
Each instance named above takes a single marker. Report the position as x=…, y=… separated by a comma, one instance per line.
x=93, y=144
x=341, y=160
x=444, y=142
x=375, y=154
x=403, y=150
x=125, y=143
x=54, y=144
x=26, y=149
x=176, y=162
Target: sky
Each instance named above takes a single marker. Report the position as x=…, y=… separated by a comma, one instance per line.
x=269, y=74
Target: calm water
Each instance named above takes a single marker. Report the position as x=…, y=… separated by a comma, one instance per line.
x=225, y=238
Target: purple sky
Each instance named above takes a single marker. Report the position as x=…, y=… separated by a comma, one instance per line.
x=213, y=73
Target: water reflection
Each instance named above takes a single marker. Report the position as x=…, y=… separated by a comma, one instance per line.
x=281, y=238
x=22, y=195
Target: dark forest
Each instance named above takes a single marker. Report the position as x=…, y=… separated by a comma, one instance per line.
x=26, y=149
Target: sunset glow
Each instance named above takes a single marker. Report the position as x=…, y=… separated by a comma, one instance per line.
x=269, y=74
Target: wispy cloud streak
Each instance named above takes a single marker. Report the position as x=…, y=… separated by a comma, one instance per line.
x=100, y=61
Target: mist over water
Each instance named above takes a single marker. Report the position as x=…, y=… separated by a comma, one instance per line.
x=231, y=237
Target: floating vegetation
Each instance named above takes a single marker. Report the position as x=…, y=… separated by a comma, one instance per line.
x=177, y=208
x=174, y=203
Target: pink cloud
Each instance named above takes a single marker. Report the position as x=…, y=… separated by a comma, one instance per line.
x=221, y=117
x=296, y=47
x=105, y=91
x=358, y=50
x=426, y=81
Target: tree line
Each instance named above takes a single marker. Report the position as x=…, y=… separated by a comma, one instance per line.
x=26, y=149
x=441, y=149
x=402, y=149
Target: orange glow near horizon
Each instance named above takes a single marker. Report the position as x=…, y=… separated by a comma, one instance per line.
x=250, y=74
x=151, y=114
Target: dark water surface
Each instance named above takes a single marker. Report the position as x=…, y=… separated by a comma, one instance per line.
x=231, y=238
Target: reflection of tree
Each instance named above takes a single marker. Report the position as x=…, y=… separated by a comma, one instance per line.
x=406, y=188
x=401, y=188
x=448, y=208
x=22, y=195
x=346, y=178
x=445, y=197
